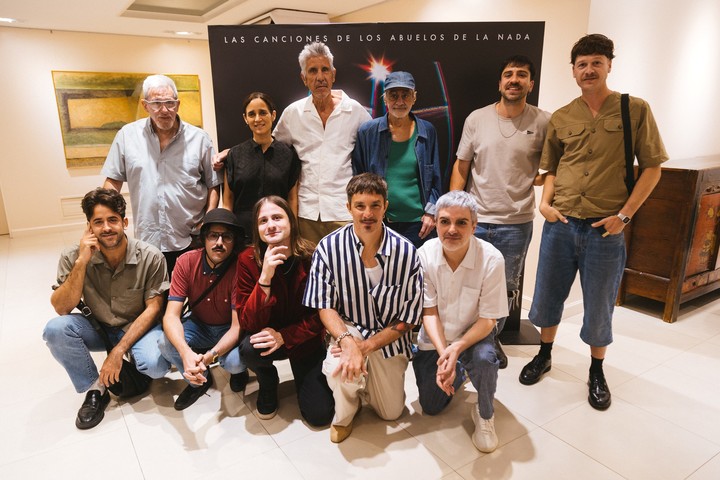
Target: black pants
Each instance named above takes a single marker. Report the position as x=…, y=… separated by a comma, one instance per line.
x=315, y=398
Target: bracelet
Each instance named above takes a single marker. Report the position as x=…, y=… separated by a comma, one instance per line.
x=341, y=336
x=263, y=285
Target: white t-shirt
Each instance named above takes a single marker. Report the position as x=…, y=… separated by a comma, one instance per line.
x=503, y=169
x=475, y=289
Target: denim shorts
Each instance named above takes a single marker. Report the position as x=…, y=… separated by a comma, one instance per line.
x=565, y=249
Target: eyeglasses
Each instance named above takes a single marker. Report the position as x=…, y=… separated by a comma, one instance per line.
x=157, y=105
x=227, y=237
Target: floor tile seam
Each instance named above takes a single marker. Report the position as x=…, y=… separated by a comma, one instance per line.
x=132, y=441
x=69, y=443
x=596, y=460
x=691, y=373
x=689, y=477
x=668, y=420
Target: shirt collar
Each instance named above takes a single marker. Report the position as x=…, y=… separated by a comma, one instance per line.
x=132, y=255
x=344, y=105
x=257, y=146
x=384, y=249
x=151, y=130
x=217, y=271
x=468, y=260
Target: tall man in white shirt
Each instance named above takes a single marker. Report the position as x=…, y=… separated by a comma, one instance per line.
x=322, y=128
x=464, y=280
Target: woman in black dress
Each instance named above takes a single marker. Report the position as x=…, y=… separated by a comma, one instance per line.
x=260, y=166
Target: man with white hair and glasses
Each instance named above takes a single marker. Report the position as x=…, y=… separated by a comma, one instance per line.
x=167, y=164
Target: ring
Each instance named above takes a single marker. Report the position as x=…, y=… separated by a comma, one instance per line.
x=605, y=234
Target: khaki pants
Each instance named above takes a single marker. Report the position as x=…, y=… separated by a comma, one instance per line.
x=315, y=230
x=383, y=388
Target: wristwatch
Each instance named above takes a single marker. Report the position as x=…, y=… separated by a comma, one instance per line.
x=214, y=356
x=625, y=219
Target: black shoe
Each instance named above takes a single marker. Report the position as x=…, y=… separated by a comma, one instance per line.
x=267, y=402
x=92, y=410
x=599, y=393
x=500, y=353
x=191, y=393
x=238, y=381
x=533, y=371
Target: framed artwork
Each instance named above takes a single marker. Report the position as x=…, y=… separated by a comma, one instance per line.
x=93, y=106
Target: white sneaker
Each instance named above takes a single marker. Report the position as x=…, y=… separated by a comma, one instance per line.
x=484, y=437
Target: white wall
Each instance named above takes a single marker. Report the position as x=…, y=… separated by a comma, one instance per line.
x=33, y=175
x=667, y=52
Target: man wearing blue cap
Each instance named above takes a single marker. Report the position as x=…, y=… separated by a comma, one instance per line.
x=403, y=149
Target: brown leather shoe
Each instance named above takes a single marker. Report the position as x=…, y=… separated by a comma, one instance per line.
x=338, y=433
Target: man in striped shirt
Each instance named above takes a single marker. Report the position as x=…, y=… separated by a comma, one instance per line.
x=366, y=281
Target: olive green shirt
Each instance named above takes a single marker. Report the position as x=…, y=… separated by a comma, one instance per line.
x=118, y=297
x=587, y=155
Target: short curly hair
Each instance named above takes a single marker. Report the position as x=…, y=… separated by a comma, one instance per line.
x=108, y=197
x=593, y=44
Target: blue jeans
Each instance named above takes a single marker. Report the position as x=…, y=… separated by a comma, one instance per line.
x=513, y=242
x=71, y=338
x=566, y=249
x=201, y=337
x=481, y=364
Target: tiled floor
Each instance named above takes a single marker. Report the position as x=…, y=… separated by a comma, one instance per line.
x=664, y=422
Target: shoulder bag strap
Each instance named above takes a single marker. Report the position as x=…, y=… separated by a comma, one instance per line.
x=190, y=305
x=627, y=134
x=87, y=313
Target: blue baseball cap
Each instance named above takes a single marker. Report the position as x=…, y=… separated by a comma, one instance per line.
x=399, y=80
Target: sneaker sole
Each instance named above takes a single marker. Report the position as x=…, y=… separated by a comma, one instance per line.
x=266, y=416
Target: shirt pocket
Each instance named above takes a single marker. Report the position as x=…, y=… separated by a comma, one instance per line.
x=130, y=300
x=571, y=134
x=613, y=125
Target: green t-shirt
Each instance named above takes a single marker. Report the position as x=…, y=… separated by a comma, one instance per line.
x=403, y=183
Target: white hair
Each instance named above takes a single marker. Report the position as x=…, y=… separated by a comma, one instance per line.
x=315, y=49
x=158, y=81
x=458, y=198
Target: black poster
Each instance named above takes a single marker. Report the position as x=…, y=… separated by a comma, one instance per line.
x=455, y=65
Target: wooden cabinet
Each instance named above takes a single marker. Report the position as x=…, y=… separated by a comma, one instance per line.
x=673, y=239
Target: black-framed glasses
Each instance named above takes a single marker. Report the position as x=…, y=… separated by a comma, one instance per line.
x=157, y=105
x=227, y=237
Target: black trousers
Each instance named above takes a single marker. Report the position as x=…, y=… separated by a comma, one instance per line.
x=315, y=398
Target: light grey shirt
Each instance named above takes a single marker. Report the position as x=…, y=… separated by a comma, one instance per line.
x=168, y=189
x=504, y=155
x=117, y=297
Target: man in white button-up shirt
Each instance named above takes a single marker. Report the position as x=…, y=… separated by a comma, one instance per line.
x=464, y=279
x=322, y=128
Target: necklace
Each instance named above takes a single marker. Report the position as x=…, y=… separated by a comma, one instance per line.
x=286, y=268
x=517, y=127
